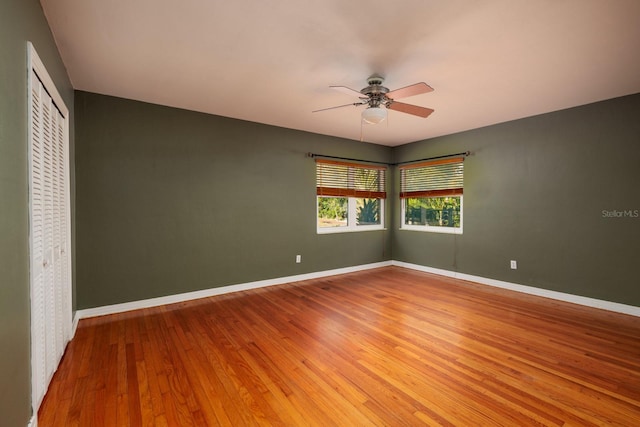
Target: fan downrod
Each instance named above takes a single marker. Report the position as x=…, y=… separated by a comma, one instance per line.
x=375, y=80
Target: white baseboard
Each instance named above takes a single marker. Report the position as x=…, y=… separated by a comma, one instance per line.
x=74, y=325
x=172, y=299
x=561, y=296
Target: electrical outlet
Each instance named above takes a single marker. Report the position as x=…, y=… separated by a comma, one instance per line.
x=298, y=259
x=514, y=264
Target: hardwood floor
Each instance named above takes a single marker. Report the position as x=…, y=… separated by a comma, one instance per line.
x=388, y=346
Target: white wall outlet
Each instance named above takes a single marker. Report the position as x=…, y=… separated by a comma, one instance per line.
x=298, y=259
x=514, y=264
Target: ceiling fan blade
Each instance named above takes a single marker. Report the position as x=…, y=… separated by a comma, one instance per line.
x=347, y=90
x=339, y=106
x=410, y=109
x=405, y=92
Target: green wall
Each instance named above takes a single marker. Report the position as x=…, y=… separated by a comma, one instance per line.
x=172, y=201
x=534, y=192
x=20, y=21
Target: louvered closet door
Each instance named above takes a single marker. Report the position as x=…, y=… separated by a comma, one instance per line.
x=50, y=231
x=47, y=236
x=61, y=247
x=38, y=258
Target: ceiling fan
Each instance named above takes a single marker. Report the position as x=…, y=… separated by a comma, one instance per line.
x=378, y=99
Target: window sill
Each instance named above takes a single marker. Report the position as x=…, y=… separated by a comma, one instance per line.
x=424, y=229
x=337, y=230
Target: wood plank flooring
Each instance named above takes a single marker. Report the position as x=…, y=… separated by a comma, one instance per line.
x=384, y=347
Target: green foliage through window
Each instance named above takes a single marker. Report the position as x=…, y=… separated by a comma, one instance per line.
x=368, y=211
x=433, y=211
x=332, y=211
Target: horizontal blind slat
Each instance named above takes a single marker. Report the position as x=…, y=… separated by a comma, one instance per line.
x=341, y=179
x=434, y=179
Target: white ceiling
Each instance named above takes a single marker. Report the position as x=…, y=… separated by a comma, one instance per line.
x=272, y=61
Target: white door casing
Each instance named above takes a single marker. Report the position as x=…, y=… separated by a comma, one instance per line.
x=50, y=226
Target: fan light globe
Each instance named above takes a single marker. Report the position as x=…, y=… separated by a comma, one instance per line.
x=374, y=115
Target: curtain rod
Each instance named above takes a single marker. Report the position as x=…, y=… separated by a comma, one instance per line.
x=314, y=155
x=464, y=154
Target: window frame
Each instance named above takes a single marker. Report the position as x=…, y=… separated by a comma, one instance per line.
x=352, y=212
x=424, y=189
x=338, y=179
x=432, y=228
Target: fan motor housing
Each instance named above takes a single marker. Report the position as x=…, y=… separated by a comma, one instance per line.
x=375, y=87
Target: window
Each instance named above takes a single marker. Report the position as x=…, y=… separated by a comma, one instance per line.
x=431, y=195
x=350, y=196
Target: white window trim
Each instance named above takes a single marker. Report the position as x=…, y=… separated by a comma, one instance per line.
x=351, y=219
x=432, y=228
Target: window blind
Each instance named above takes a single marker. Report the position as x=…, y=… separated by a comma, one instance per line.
x=432, y=179
x=342, y=179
